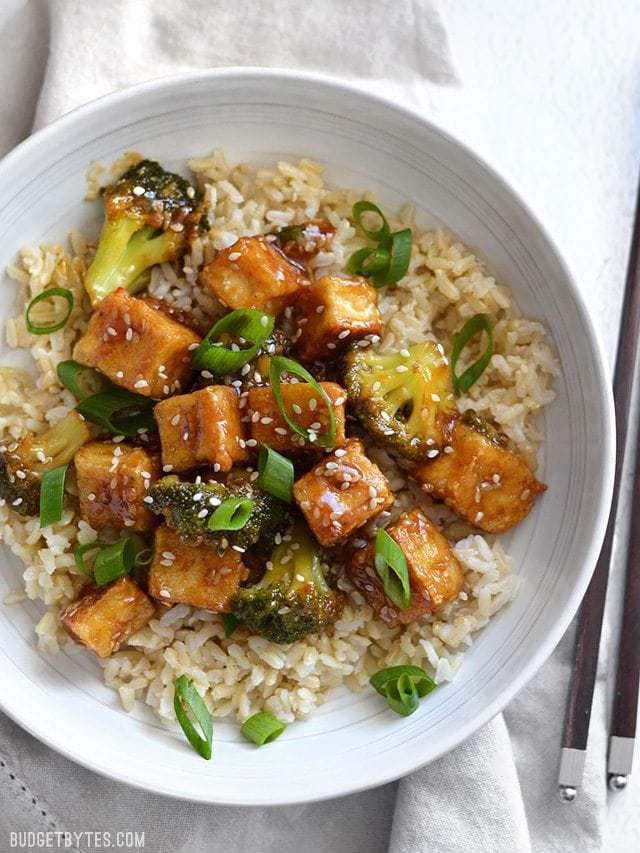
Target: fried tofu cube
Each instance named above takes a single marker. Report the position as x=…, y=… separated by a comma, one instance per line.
x=305, y=406
x=137, y=346
x=103, y=618
x=202, y=428
x=113, y=481
x=342, y=493
x=479, y=478
x=332, y=313
x=435, y=575
x=252, y=274
x=194, y=574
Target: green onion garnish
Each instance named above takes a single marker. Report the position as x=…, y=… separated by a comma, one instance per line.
x=119, y=411
x=247, y=325
x=262, y=728
x=398, y=245
x=81, y=550
x=391, y=566
x=232, y=514
x=280, y=365
x=63, y=293
x=388, y=262
x=82, y=381
x=276, y=474
x=186, y=698
x=52, y=495
x=357, y=213
x=290, y=232
x=368, y=261
x=478, y=323
x=402, y=687
x=114, y=561
x=229, y=623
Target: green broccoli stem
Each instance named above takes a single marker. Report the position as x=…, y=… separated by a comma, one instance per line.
x=125, y=250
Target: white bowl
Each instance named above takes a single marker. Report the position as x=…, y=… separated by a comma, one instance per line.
x=351, y=742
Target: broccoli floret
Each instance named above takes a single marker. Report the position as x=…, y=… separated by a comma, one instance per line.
x=404, y=399
x=293, y=598
x=187, y=508
x=150, y=217
x=22, y=467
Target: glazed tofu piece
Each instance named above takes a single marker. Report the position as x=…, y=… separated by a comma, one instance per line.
x=103, y=618
x=334, y=312
x=137, y=346
x=202, y=428
x=481, y=480
x=342, y=493
x=435, y=574
x=252, y=274
x=113, y=480
x=194, y=574
x=305, y=406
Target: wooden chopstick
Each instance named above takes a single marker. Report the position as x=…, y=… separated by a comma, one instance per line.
x=576, y=728
x=625, y=704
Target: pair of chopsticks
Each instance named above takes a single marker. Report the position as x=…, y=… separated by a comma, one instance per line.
x=623, y=723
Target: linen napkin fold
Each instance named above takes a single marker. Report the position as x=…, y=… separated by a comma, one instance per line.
x=493, y=793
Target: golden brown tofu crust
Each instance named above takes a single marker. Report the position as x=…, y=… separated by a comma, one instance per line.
x=252, y=274
x=267, y=426
x=435, y=574
x=488, y=485
x=113, y=480
x=103, y=618
x=333, y=313
x=342, y=493
x=202, y=428
x=136, y=346
x=194, y=574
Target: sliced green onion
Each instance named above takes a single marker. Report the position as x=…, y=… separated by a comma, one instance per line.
x=290, y=232
x=252, y=326
x=280, y=365
x=82, y=381
x=398, y=245
x=119, y=411
x=114, y=561
x=52, y=495
x=232, y=514
x=402, y=687
x=230, y=623
x=478, y=323
x=262, y=728
x=276, y=474
x=186, y=698
x=362, y=207
x=368, y=261
x=81, y=550
x=63, y=293
x=144, y=557
x=391, y=566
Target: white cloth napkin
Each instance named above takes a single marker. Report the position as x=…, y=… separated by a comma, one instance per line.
x=494, y=793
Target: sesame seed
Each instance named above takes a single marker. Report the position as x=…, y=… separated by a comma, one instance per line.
x=319, y=309
x=448, y=449
x=129, y=522
x=373, y=503
x=313, y=404
x=255, y=417
x=138, y=190
x=119, y=374
x=297, y=409
x=525, y=494
x=316, y=425
x=167, y=468
x=164, y=593
x=117, y=439
x=331, y=345
x=280, y=430
x=129, y=334
x=146, y=499
x=340, y=452
x=431, y=454
x=251, y=442
x=266, y=421
x=264, y=320
x=111, y=331
x=206, y=374
x=339, y=401
x=21, y=475
x=373, y=492
x=175, y=420
x=376, y=386
x=141, y=383
x=405, y=353
x=203, y=513
x=402, y=368
x=435, y=398
x=191, y=347
x=234, y=256
x=300, y=578
x=17, y=502
x=344, y=334
x=91, y=496
x=239, y=549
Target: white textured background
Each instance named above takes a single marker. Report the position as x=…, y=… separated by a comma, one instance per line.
x=549, y=94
